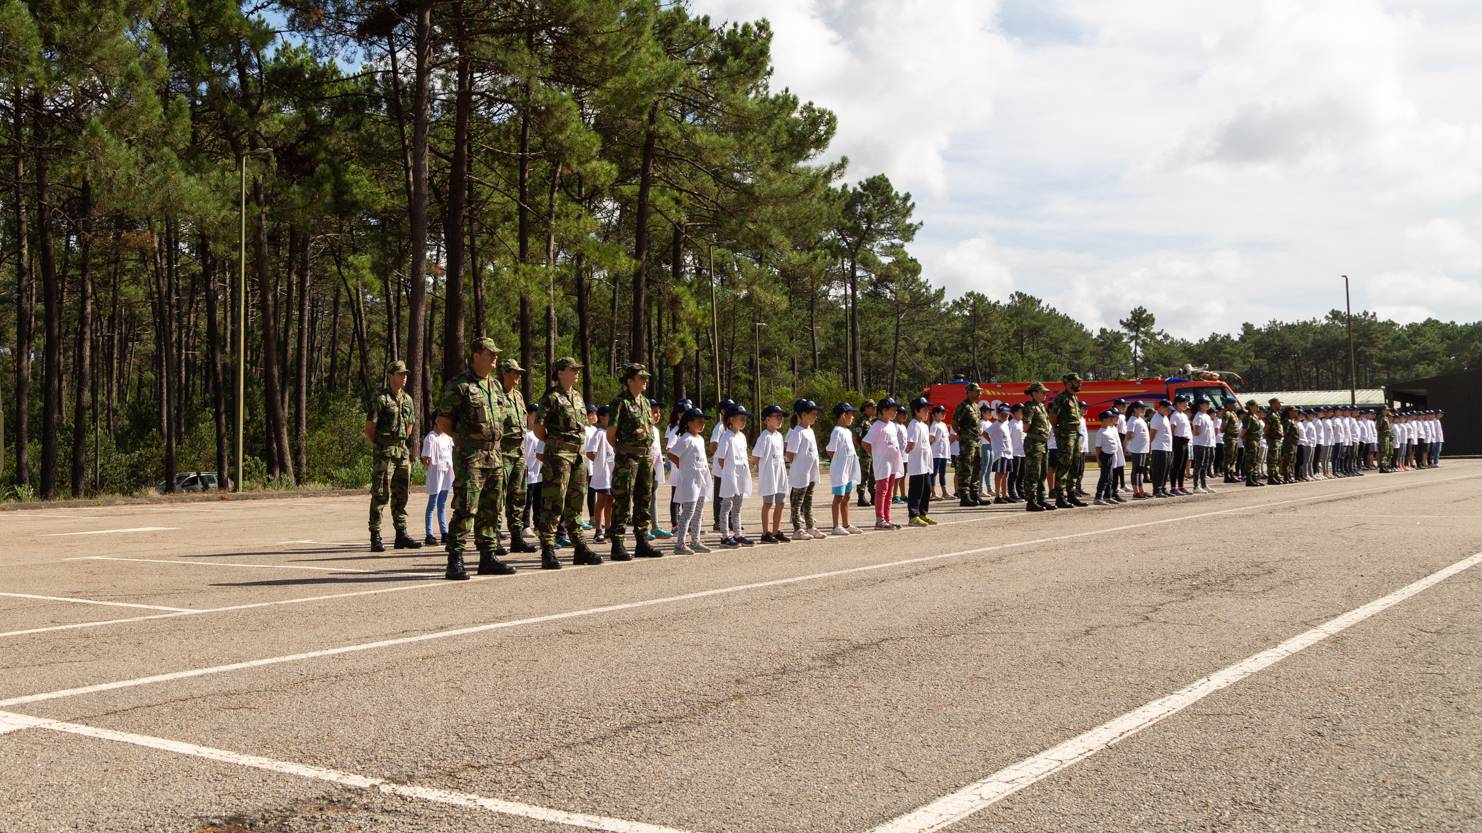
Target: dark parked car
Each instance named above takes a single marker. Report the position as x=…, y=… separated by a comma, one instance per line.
x=191, y=481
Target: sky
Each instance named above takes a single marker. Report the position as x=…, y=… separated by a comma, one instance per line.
x=1217, y=163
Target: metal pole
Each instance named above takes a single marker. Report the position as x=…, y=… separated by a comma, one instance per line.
x=241, y=322
x=714, y=324
x=1352, y=372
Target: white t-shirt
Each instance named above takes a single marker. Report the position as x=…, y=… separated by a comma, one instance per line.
x=656, y=453
x=1121, y=423
x=533, y=446
x=771, y=468
x=600, y=463
x=1085, y=438
x=735, y=470
x=843, y=467
x=1181, y=425
x=983, y=426
x=720, y=428
x=1205, y=423
x=438, y=448
x=940, y=447
x=919, y=457
x=692, y=472
x=885, y=447
x=900, y=436
x=1137, y=436
x=1163, y=440
x=1108, y=441
x=999, y=434
x=802, y=443
x=1016, y=437
x=1440, y=432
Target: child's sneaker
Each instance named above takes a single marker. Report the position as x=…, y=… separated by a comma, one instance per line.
x=916, y=521
x=839, y=530
x=929, y=521
x=728, y=543
x=681, y=549
x=586, y=524
x=817, y=533
x=884, y=524
x=661, y=533
x=779, y=538
x=854, y=530
x=799, y=535
x=743, y=541
x=768, y=538
x=1099, y=502
x=699, y=547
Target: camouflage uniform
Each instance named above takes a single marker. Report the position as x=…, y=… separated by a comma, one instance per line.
x=1273, y=444
x=1289, y=439
x=1252, y=441
x=476, y=409
x=866, y=464
x=1036, y=450
x=512, y=453
x=967, y=471
x=632, y=468
x=1386, y=439
x=394, y=416
x=1231, y=426
x=564, y=472
x=1065, y=412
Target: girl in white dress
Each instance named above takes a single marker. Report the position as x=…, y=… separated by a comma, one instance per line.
x=734, y=471
x=771, y=474
x=691, y=481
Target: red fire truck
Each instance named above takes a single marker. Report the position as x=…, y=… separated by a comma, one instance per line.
x=1098, y=395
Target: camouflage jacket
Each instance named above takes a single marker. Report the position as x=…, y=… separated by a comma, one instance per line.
x=1065, y=414
x=1273, y=429
x=1037, y=423
x=1252, y=428
x=633, y=419
x=511, y=421
x=1231, y=425
x=965, y=421
x=393, y=416
x=1381, y=427
x=1289, y=432
x=475, y=407
x=564, y=416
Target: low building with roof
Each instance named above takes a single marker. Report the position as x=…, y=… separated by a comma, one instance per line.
x=1316, y=398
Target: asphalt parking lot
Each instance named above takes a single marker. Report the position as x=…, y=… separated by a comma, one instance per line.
x=1302, y=657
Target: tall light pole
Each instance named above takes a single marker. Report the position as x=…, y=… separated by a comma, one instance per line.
x=1352, y=372
x=258, y=153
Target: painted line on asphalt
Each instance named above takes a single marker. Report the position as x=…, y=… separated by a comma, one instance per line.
x=596, y=611
x=77, y=625
x=10, y=722
x=980, y=795
x=112, y=531
x=180, y=562
x=74, y=600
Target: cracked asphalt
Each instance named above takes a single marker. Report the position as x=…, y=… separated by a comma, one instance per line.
x=769, y=690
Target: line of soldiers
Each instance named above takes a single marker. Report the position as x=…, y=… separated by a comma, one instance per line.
x=1060, y=417
x=485, y=414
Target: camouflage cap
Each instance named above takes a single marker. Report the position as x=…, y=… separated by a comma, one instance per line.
x=483, y=343
x=511, y=364
x=630, y=370
x=1071, y=377
x=972, y=387
x=397, y=366
x=566, y=363
x=1251, y=403
x=1035, y=387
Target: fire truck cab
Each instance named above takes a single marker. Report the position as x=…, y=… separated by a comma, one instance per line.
x=1098, y=395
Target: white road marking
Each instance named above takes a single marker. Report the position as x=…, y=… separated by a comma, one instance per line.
x=77, y=625
x=978, y=796
x=10, y=722
x=112, y=531
x=229, y=564
x=590, y=611
x=95, y=602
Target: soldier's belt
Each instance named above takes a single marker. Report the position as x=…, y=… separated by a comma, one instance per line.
x=562, y=445
x=632, y=449
x=515, y=444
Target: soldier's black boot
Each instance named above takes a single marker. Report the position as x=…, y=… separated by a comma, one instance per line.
x=965, y=499
x=406, y=542
x=619, y=551
x=455, y=572
x=548, y=560
x=499, y=550
x=582, y=555
x=1034, y=506
x=646, y=549
x=1048, y=507
x=489, y=565
x=376, y=545
x=1061, y=502
x=517, y=542
x=1076, y=501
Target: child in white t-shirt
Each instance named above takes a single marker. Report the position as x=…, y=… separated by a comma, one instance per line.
x=1108, y=453
x=886, y=453
x=656, y=459
x=843, y=468
x=600, y=459
x=735, y=477
x=437, y=456
x=919, y=463
x=771, y=474
x=941, y=450
x=690, y=479
x=803, y=474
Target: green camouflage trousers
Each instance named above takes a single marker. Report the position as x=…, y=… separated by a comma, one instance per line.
x=563, y=490
x=514, y=491
x=1036, y=455
x=477, y=494
x=969, y=468
x=866, y=477
x=1386, y=452
x=632, y=491
x=1067, y=454
x=1253, y=463
x=1288, y=461
x=1273, y=461
x=1230, y=461
x=390, y=479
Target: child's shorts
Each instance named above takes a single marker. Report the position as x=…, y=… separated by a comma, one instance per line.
x=773, y=500
x=842, y=491
x=1004, y=464
x=603, y=491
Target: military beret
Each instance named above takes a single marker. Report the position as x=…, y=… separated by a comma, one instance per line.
x=972, y=387
x=397, y=366
x=630, y=370
x=483, y=343
x=511, y=364
x=566, y=363
x=1034, y=387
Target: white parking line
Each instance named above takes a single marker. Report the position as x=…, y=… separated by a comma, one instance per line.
x=95, y=602
x=179, y=562
x=77, y=625
x=594, y=611
x=978, y=796
x=10, y=722
x=111, y=531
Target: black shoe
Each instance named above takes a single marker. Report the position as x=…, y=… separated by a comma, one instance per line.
x=429, y=541
x=491, y=566
x=442, y=540
x=1048, y=507
x=548, y=560
x=582, y=555
x=404, y=542
x=1075, y=501
x=646, y=549
x=455, y=569
x=619, y=551
x=376, y=545
x=966, y=502
x=1033, y=507
x=1061, y=503
x=517, y=542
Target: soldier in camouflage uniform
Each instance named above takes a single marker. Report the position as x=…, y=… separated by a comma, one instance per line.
x=1289, y=440
x=969, y=428
x=512, y=455
x=1230, y=427
x=1252, y=440
x=389, y=421
x=563, y=415
x=1386, y=439
x=471, y=411
x=866, y=464
x=1036, y=448
x=630, y=433
x=1274, y=435
x=1065, y=415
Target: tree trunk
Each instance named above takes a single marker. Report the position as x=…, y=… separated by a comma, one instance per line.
x=522, y=214
x=417, y=211
x=301, y=365
x=334, y=341
x=856, y=361
x=280, y=463
x=25, y=301
x=213, y=365
x=51, y=293
x=637, y=348
x=550, y=267
x=475, y=273
x=81, y=404
x=583, y=325
x=164, y=360
x=453, y=350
